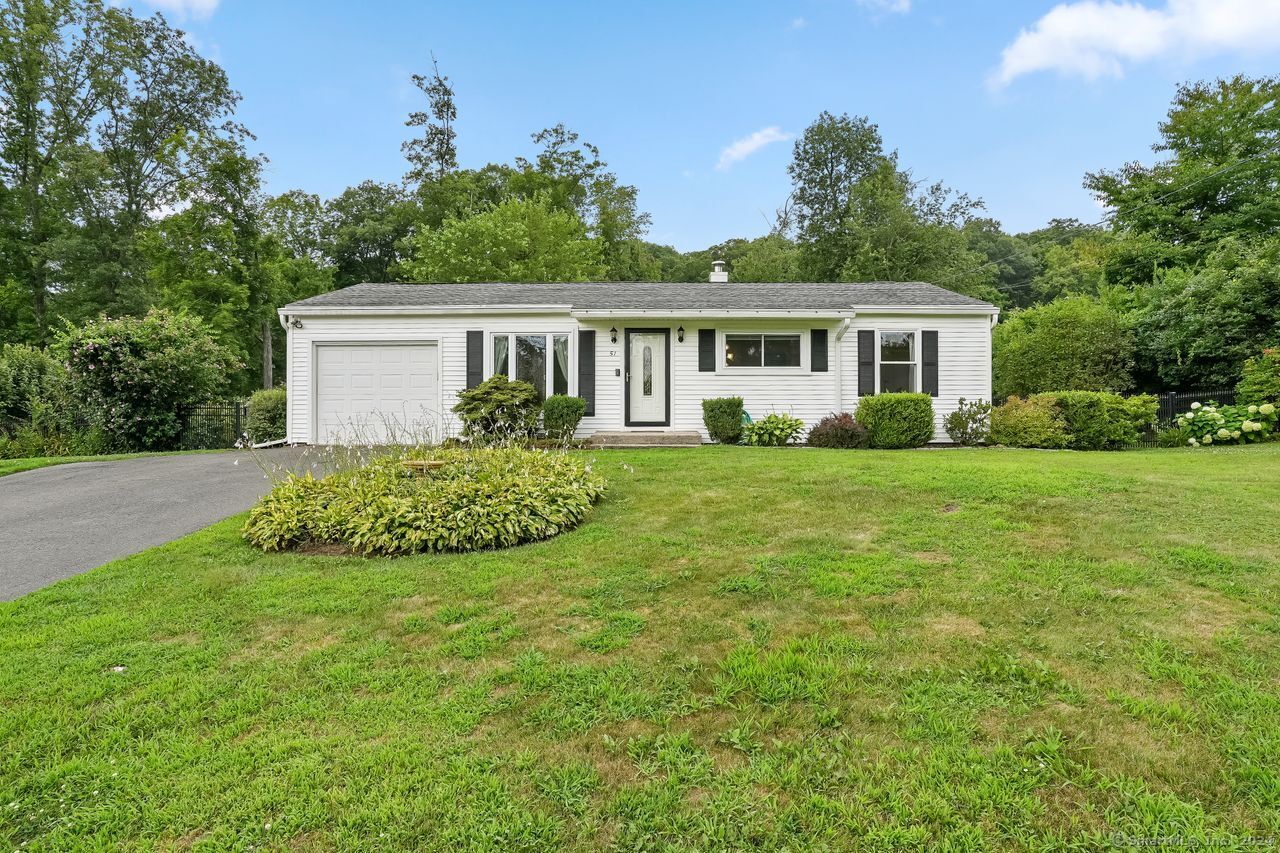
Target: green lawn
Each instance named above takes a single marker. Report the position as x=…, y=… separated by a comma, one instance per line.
x=741, y=648
x=13, y=466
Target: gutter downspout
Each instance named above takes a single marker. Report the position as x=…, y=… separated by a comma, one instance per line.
x=836, y=352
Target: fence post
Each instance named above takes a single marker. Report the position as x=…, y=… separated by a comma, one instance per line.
x=238, y=429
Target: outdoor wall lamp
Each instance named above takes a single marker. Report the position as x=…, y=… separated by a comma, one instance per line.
x=296, y=323
x=680, y=334
x=613, y=335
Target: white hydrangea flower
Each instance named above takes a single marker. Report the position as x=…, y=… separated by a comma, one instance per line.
x=1235, y=433
x=1195, y=405
x=1208, y=439
x=1253, y=410
x=1266, y=408
x=1224, y=433
x=1193, y=442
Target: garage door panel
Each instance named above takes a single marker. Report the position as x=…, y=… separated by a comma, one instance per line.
x=375, y=392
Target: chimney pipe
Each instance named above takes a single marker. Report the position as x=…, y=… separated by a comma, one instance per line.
x=719, y=275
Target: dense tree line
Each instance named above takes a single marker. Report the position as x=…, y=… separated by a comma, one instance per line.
x=127, y=184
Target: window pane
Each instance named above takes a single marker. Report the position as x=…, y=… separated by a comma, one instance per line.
x=897, y=346
x=560, y=368
x=897, y=377
x=531, y=361
x=648, y=370
x=782, y=350
x=500, y=344
x=743, y=350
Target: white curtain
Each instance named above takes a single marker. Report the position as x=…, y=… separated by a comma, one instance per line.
x=500, y=344
x=561, y=347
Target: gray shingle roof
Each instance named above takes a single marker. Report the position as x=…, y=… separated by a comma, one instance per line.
x=646, y=296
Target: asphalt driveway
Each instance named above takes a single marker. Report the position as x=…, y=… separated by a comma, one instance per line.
x=62, y=520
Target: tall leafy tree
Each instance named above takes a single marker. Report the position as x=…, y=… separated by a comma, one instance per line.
x=364, y=229
x=434, y=154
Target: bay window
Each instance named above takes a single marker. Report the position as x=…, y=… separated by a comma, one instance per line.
x=540, y=360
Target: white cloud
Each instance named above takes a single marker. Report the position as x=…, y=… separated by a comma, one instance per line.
x=185, y=8
x=741, y=149
x=1095, y=39
x=896, y=7
x=799, y=23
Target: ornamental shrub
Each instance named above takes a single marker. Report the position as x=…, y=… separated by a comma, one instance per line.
x=267, y=412
x=561, y=415
x=499, y=408
x=1260, y=379
x=1072, y=342
x=27, y=375
x=1029, y=422
x=723, y=418
x=970, y=423
x=775, y=429
x=480, y=499
x=897, y=420
x=842, y=430
x=1240, y=424
x=142, y=376
x=1098, y=420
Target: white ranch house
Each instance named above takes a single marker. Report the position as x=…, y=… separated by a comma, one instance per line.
x=373, y=361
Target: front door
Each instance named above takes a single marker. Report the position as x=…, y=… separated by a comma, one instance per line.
x=648, y=391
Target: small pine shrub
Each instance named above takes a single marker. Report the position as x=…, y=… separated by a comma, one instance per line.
x=773, y=430
x=838, y=430
x=1260, y=379
x=561, y=415
x=267, y=412
x=970, y=423
x=481, y=499
x=723, y=419
x=1029, y=422
x=895, y=421
x=499, y=408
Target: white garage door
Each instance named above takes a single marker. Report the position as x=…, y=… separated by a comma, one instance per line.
x=376, y=393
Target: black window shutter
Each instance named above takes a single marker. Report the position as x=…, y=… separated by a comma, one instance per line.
x=818, y=350
x=475, y=358
x=706, y=350
x=587, y=368
x=866, y=362
x=929, y=363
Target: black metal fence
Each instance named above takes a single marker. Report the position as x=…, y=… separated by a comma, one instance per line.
x=1174, y=403
x=215, y=425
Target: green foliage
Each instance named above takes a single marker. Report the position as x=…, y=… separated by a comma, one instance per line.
x=27, y=376
x=1260, y=378
x=518, y=240
x=838, y=430
x=268, y=415
x=771, y=258
x=1031, y=422
x=1240, y=424
x=775, y=429
x=970, y=423
x=143, y=375
x=1198, y=326
x=895, y=421
x=498, y=408
x=1097, y=420
x=1073, y=343
x=723, y=418
x=481, y=499
x=561, y=415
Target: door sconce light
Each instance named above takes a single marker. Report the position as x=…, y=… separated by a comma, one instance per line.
x=613, y=335
x=680, y=334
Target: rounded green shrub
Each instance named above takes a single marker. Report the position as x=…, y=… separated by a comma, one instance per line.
x=1029, y=422
x=479, y=499
x=561, y=415
x=499, y=408
x=267, y=412
x=723, y=418
x=773, y=430
x=895, y=421
x=969, y=423
x=838, y=430
x=1100, y=420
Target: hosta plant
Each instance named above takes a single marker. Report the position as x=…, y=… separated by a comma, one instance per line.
x=1210, y=423
x=773, y=430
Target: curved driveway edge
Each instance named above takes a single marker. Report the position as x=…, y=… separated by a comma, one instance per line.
x=62, y=520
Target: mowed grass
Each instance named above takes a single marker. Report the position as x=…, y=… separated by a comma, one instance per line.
x=778, y=649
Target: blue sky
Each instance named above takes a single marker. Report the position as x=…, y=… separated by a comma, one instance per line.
x=1012, y=102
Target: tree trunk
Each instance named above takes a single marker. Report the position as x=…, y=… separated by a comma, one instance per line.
x=267, y=356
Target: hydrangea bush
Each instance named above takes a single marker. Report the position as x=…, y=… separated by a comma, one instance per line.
x=1213, y=424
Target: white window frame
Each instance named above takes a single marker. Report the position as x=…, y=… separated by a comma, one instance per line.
x=550, y=375
x=918, y=362
x=722, y=362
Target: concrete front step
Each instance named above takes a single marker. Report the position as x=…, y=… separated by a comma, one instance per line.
x=645, y=439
